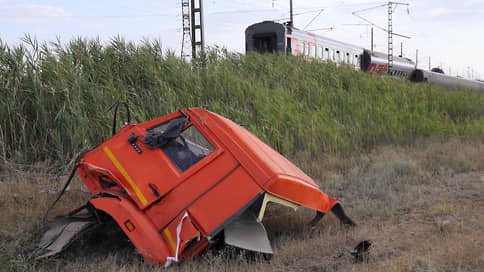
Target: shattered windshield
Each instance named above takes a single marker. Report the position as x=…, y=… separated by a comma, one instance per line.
x=184, y=147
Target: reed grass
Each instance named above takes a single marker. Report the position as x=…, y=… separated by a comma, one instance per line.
x=53, y=98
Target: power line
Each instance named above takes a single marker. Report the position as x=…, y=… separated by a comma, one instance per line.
x=356, y=13
x=321, y=29
x=314, y=18
x=330, y=28
x=299, y=13
x=85, y=16
x=389, y=30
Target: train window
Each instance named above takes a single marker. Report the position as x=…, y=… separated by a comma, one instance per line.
x=337, y=57
x=294, y=46
x=326, y=54
x=313, y=51
x=265, y=43
x=348, y=59
x=301, y=47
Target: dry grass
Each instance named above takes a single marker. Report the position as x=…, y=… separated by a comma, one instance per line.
x=422, y=206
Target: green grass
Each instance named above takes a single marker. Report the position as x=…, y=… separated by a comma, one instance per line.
x=53, y=97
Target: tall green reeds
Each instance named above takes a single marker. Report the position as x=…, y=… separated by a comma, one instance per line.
x=53, y=98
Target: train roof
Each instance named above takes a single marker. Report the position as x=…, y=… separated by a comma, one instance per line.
x=299, y=32
x=319, y=37
x=400, y=59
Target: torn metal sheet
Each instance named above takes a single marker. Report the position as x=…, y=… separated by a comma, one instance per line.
x=247, y=232
x=60, y=235
x=176, y=183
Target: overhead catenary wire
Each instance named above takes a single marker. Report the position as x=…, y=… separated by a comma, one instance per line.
x=314, y=18
x=299, y=13
x=86, y=16
x=356, y=13
x=332, y=27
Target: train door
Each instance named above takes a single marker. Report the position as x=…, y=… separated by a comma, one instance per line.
x=288, y=46
x=306, y=49
x=265, y=43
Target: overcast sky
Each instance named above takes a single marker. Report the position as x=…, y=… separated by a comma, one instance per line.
x=449, y=32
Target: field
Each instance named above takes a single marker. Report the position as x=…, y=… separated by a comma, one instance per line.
x=422, y=207
x=405, y=160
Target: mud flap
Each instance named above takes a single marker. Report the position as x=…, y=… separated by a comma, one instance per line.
x=338, y=212
x=247, y=232
x=61, y=234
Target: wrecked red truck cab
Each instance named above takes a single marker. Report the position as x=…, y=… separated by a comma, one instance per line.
x=174, y=183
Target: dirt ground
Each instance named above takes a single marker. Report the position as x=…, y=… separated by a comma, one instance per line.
x=421, y=206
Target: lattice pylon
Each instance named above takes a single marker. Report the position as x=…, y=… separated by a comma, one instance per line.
x=186, y=49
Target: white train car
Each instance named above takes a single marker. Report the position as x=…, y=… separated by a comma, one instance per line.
x=446, y=81
x=269, y=36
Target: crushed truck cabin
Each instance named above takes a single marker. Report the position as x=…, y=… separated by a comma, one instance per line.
x=176, y=183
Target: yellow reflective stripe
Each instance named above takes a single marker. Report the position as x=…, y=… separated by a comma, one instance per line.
x=125, y=175
x=170, y=239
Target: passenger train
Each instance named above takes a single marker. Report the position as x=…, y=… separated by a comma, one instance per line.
x=270, y=36
x=438, y=78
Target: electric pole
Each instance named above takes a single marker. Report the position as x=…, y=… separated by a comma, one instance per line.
x=193, y=42
x=291, y=15
x=389, y=29
x=372, y=40
x=390, y=33
x=390, y=37
x=198, y=41
x=186, y=51
x=416, y=58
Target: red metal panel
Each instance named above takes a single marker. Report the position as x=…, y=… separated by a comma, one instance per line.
x=301, y=193
x=261, y=161
x=179, y=234
x=224, y=200
x=190, y=189
x=145, y=236
x=267, y=167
